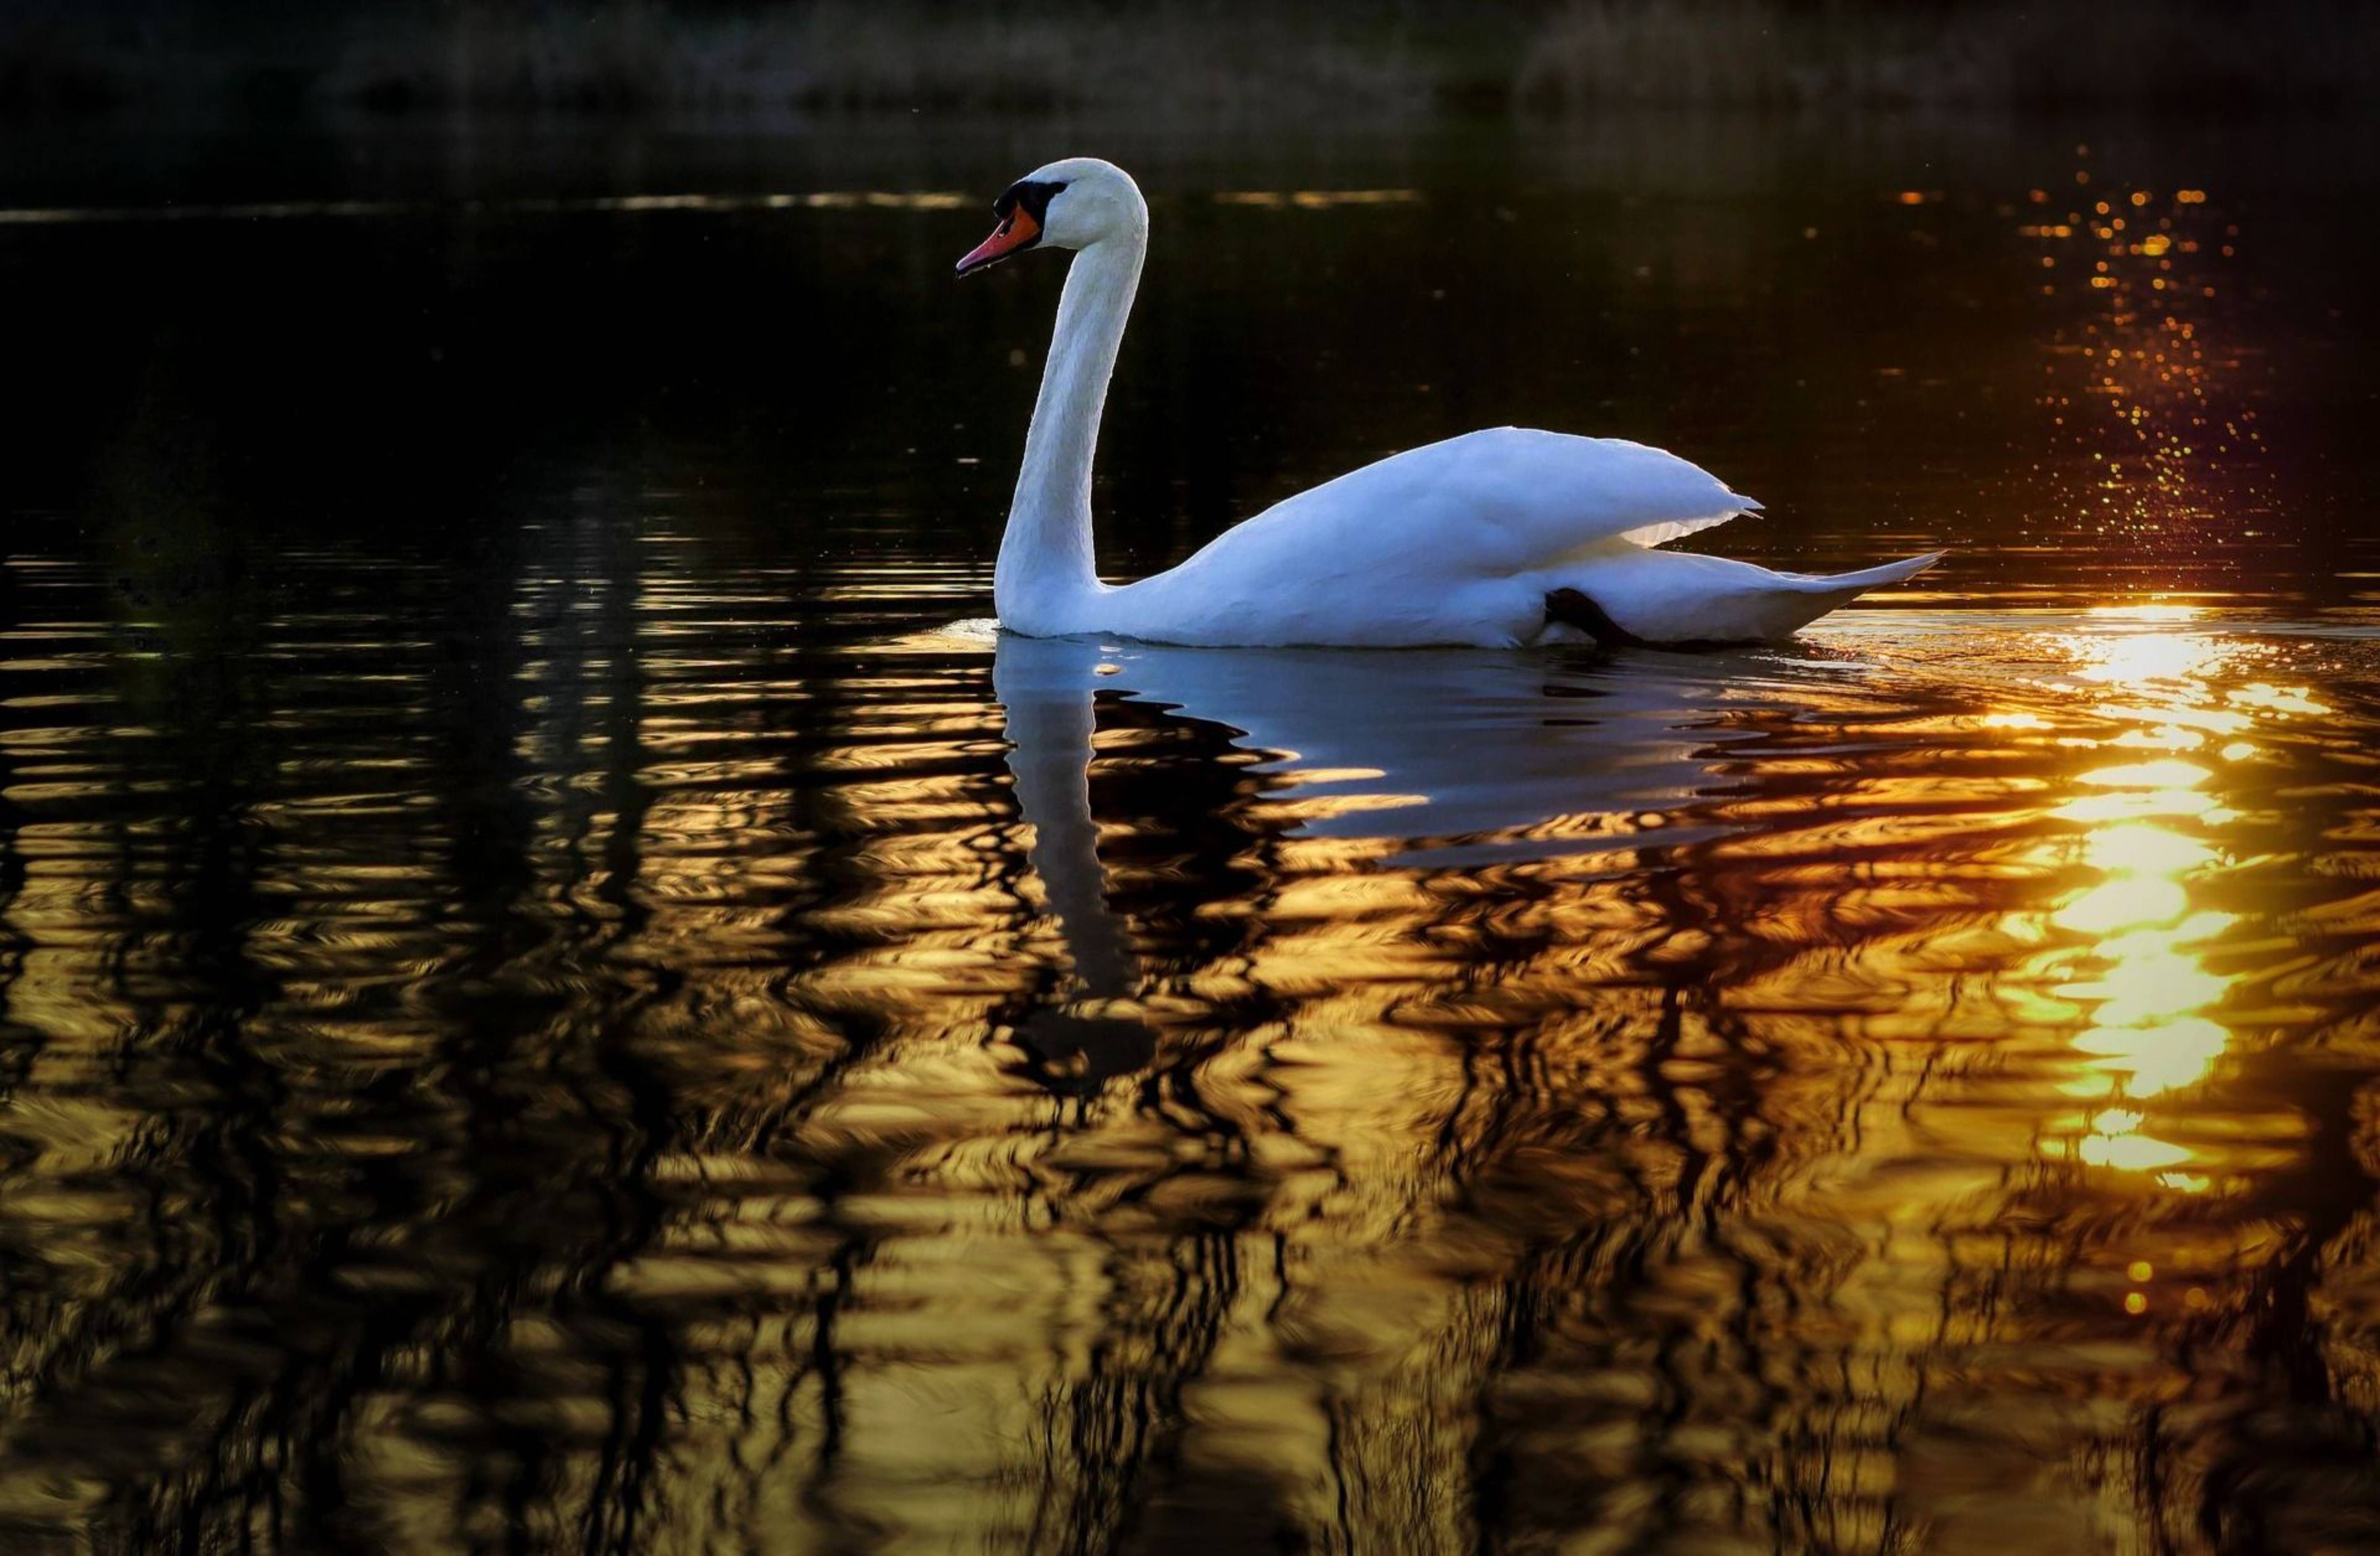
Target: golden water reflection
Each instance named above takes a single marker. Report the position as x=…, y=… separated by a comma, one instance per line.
x=2136, y=964
x=944, y=1091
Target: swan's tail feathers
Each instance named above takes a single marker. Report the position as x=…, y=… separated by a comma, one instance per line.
x=1807, y=598
x=1848, y=584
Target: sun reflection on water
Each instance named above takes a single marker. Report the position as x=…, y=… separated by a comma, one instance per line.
x=2138, y=936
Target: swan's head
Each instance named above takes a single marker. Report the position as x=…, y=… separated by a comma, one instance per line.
x=1068, y=204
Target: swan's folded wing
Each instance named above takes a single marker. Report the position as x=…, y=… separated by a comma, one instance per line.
x=1504, y=501
x=1661, y=534
x=1556, y=495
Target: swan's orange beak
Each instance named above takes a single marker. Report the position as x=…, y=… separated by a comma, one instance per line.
x=1018, y=230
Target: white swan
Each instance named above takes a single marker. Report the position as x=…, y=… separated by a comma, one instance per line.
x=1494, y=539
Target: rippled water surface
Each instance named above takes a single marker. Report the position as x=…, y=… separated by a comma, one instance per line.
x=560, y=987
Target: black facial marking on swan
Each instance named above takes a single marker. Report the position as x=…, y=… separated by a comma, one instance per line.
x=1034, y=198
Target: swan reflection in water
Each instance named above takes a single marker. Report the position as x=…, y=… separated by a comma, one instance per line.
x=1524, y=753
x=1495, y=756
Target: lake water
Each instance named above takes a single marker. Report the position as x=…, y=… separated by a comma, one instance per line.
x=560, y=987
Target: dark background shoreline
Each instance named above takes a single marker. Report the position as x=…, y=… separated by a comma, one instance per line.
x=1201, y=58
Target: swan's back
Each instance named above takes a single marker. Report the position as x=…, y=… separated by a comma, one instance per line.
x=1400, y=550
x=1496, y=501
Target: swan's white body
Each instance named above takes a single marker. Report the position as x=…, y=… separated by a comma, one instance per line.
x=1457, y=542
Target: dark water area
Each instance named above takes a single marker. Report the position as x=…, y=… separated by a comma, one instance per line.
x=560, y=987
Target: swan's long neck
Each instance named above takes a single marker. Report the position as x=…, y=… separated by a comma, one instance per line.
x=1045, y=557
